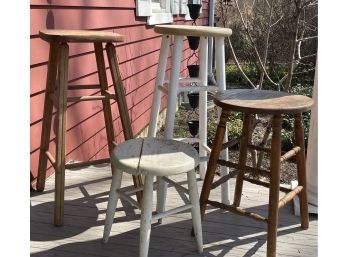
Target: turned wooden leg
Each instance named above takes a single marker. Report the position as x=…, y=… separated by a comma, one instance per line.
x=214, y=156
x=243, y=154
x=301, y=171
x=60, y=138
x=122, y=105
x=146, y=215
x=196, y=217
x=112, y=203
x=274, y=187
x=47, y=116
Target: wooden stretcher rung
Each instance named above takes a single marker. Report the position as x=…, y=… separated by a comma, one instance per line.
x=50, y=158
x=137, y=189
x=90, y=98
x=290, y=154
x=163, y=89
x=266, y=184
x=231, y=143
x=79, y=87
x=252, y=170
x=237, y=210
x=129, y=199
x=260, y=148
x=176, y=185
x=86, y=163
x=223, y=179
x=289, y=196
x=172, y=211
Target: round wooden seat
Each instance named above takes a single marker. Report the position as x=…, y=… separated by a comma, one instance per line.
x=262, y=101
x=158, y=157
x=196, y=31
x=57, y=35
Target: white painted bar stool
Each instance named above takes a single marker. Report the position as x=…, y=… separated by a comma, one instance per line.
x=179, y=32
x=153, y=157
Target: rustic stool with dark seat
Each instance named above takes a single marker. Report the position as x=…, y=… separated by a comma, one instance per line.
x=251, y=102
x=56, y=94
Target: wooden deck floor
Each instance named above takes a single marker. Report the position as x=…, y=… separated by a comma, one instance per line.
x=224, y=234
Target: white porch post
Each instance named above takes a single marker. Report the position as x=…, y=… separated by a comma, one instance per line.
x=312, y=151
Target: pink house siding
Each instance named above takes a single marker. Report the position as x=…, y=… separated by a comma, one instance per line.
x=138, y=58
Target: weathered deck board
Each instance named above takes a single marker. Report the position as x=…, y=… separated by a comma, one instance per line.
x=224, y=234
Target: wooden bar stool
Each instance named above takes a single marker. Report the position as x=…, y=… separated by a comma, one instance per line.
x=252, y=102
x=56, y=94
x=153, y=157
x=179, y=32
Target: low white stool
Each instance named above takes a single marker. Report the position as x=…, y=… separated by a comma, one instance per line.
x=179, y=32
x=153, y=157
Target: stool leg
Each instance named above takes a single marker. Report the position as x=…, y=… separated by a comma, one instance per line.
x=60, y=138
x=47, y=116
x=161, y=70
x=212, y=163
x=301, y=171
x=243, y=154
x=195, y=212
x=173, y=87
x=161, y=196
x=274, y=187
x=122, y=104
x=146, y=215
x=221, y=82
x=112, y=203
x=203, y=76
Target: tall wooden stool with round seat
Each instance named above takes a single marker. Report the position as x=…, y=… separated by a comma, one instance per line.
x=57, y=95
x=251, y=102
x=179, y=33
x=153, y=157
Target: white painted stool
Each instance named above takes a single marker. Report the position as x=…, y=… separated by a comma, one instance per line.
x=153, y=157
x=179, y=32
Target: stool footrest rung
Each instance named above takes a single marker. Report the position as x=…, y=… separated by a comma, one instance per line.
x=252, y=170
x=86, y=163
x=198, y=88
x=237, y=210
x=289, y=196
x=290, y=154
x=129, y=199
x=90, y=98
x=176, y=185
x=184, y=80
x=172, y=211
x=266, y=184
x=223, y=179
x=231, y=143
x=51, y=158
x=259, y=148
x=79, y=87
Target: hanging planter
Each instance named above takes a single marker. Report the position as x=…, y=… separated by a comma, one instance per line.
x=194, y=10
x=193, y=99
x=193, y=70
x=193, y=127
x=193, y=42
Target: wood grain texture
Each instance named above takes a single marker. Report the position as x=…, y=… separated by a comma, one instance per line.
x=262, y=101
x=190, y=30
x=67, y=35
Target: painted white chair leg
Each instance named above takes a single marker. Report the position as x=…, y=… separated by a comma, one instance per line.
x=146, y=215
x=203, y=75
x=159, y=82
x=112, y=203
x=221, y=81
x=195, y=210
x=173, y=87
x=161, y=196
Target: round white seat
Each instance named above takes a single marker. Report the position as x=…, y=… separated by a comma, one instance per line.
x=154, y=157
x=159, y=157
x=195, y=31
